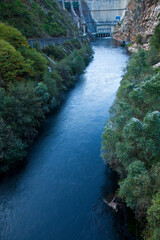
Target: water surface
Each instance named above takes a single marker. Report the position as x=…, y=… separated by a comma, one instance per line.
x=58, y=195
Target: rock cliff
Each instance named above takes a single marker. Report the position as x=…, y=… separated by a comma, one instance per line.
x=140, y=19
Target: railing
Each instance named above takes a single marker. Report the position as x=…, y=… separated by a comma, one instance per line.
x=44, y=42
x=105, y=10
x=107, y=23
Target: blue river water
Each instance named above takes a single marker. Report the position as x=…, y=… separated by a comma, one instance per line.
x=58, y=195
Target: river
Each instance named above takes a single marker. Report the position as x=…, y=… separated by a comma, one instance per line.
x=58, y=194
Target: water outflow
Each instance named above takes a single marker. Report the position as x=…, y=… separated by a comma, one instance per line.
x=58, y=195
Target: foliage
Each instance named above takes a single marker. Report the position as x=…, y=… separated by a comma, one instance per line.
x=132, y=135
x=76, y=43
x=154, y=218
x=136, y=187
x=56, y=52
x=64, y=71
x=41, y=91
x=39, y=62
x=12, y=64
x=20, y=98
x=78, y=64
x=137, y=66
x=18, y=125
x=51, y=80
x=155, y=41
x=13, y=36
x=28, y=90
x=12, y=149
x=139, y=39
x=37, y=18
x=154, y=52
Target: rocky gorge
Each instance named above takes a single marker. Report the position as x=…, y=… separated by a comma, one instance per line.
x=137, y=27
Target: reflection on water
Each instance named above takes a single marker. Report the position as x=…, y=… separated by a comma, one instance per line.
x=58, y=195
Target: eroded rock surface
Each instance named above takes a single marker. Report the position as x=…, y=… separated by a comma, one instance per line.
x=140, y=18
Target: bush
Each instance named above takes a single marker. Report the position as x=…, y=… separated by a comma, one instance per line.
x=51, y=81
x=65, y=72
x=12, y=63
x=56, y=52
x=12, y=149
x=76, y=62
x=155, y=40
x=37, y=18
x=136, y=187
x=139, y=39
x=39, y=62
x=13, y=36
x=76, y=43
x=154, y=217
x=23, y=110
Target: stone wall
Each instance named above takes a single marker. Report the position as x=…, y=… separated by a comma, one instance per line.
x=44, y=42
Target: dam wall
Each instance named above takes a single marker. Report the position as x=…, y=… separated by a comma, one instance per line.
x=107, y=10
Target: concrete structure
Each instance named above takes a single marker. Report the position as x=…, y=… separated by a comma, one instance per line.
x=106, y=14
x=44, y=42
x=107, y=10
x=101, y=15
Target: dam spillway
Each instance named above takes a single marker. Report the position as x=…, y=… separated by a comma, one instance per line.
x=103, y=14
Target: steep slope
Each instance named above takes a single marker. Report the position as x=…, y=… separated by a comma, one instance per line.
x=31, y=84
x=132, y=135
x=37, y=18
x=139, y=22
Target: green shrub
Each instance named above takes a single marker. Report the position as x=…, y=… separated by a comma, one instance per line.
x=131, y=138
x=155, y=40
x=139, y=39
x=13, y=36
x=23, y=110
x=154, y=218
x=76, y=43
x=136, y=187
x=12, y=63
x=65, y=72
x=56, y=52
x=12, y=149
x=51, y=80
x=39, y=62
x=37, y=18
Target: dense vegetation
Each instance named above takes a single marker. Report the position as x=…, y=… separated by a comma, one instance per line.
x=30, y=87
x=131, y=140
x=38, y=18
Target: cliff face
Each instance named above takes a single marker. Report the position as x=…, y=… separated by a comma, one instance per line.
x=141, y=18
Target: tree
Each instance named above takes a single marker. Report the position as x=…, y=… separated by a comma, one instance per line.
x=12, y=149
x=154, y=218
x=23, y=110
x=41, y=91
x=12, y=64
x=39, y=62
x=136, y=187
x=13, y=36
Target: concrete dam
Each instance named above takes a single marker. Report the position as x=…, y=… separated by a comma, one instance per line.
x=99, y=16
x=106, y=14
